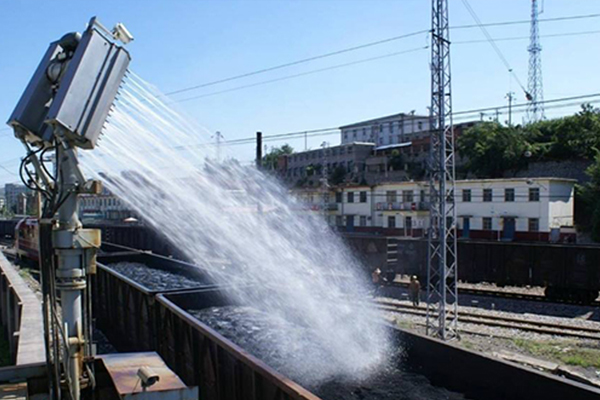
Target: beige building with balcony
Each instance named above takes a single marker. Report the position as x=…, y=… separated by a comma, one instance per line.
x=531, y=209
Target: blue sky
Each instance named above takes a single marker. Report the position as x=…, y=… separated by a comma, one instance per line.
x=184, y=43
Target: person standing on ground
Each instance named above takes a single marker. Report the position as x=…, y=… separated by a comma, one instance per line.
x=376, y=278
x=414, y=290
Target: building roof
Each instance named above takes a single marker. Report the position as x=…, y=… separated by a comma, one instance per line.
x=392, y=117
x=526, y=180
x=490, y=180
x=393, y=146
x=370, y=144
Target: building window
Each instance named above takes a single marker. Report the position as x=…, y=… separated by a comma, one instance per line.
x=420, y=125
x=534, y=194
x=363, y=197
x=423, y=199
x=391, y=222
x=363, y=220
x=390, y=196
x=534, y=224
x=354, y=134
x=338, y=220
x=466, y=195
x=408, y=223
x=509, y=194
x=338, y=197
x=364, y=132
x=487, y=224
x=345, y=135
x=350, y=197
x=487, y=195
x=408, y=196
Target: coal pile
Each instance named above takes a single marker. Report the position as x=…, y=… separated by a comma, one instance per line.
x=256, y=332
x=154, y=279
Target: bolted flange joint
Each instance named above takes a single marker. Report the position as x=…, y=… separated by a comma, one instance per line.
x=70, y=279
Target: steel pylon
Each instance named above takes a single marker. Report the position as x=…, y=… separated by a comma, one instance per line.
x=442, y=313
x=535, y=109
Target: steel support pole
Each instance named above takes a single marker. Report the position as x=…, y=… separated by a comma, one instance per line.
x=70, y=274
x=442, y=249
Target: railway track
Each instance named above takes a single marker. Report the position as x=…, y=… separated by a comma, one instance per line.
x=497, y=321
x=505, y=294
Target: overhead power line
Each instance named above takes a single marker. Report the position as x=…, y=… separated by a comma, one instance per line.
x=302, y=61
x=367, y=45
x=464, y=114
x=510, y=38
x=528, y=21
x=362, y=61
x=493, y=44
x=461, y=114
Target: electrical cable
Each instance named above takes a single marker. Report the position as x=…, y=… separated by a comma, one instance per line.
x=552, y=35
x=302, y=61
x=527, y=21
x=397, y=53
x=494, y=46
x=516, y=108
x=43, y=165
x=370, y=44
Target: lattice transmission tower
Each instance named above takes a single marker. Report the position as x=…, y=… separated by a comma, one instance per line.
x=442, y=253
x=535, y=109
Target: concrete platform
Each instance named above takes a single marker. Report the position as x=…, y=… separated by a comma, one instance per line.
x=21, y=316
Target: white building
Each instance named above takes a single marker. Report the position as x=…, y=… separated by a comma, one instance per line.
x=16, y=197
x=536, y=209
x=392, y=129
x=529, y=208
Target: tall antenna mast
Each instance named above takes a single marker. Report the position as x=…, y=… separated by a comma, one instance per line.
x=535, y=110
x=442, y=260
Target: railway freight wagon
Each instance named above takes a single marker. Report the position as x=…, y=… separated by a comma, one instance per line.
x=568, y=272
x=7, y=228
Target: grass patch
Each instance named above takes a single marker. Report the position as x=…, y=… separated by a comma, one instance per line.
x=24, y=273
x=404, y=324
x=467, y=344
x=569, y=353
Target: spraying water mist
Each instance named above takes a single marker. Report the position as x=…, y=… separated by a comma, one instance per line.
x=154, y=160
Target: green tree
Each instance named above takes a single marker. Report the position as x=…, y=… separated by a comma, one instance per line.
x=338, y=175
x=571, y=137
x=396, y=161
x=269, y=161
x=588, y=198
x=491, y=149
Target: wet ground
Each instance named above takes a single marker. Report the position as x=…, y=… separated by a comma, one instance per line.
x=154, y=278
x=256, y=332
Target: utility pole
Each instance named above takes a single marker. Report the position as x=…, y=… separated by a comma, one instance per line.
x=442, y=307
x=305, y=141
x=510, y=96
x=258, y=150
x=535, y=109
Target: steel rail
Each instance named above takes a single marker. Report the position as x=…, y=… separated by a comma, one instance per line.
x=505, y=322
